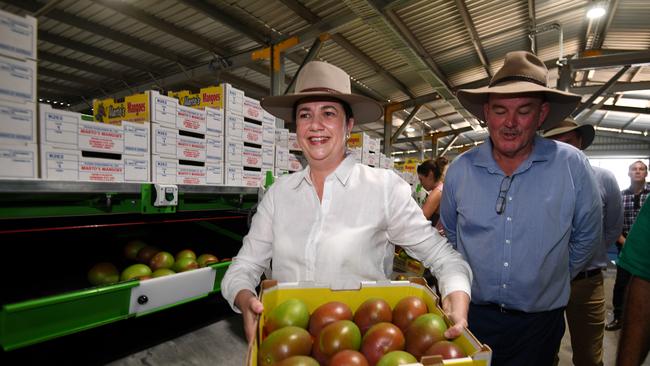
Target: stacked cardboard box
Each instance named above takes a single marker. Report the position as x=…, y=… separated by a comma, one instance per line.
x=18, y=126
x=365, y=147
x=281, y=151
x=74, y=147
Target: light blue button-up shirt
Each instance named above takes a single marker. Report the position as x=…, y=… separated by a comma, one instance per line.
x=523, y=258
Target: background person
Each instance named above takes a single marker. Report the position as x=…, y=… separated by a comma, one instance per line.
x=524, y=225
x=337, y=221
x=634, y=342
x=633, y=199
x=431, y=174
x=585, y=311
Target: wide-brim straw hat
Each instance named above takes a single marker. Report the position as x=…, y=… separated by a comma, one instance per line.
x=320, y=79
x=587, y=132
x=522, y=72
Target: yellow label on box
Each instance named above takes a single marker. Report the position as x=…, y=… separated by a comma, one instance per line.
x=134, y=108
x=211, y=96
x=410, y=167
x=355, y=140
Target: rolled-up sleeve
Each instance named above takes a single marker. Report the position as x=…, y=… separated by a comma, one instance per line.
x=254, y=257
x=407, y=227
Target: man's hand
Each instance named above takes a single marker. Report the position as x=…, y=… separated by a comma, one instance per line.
x=250, y=307
x=456, y=305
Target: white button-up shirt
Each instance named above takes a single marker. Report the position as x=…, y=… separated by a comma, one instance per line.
x=347, y=237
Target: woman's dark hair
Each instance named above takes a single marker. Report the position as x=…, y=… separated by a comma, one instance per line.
x=436, y=166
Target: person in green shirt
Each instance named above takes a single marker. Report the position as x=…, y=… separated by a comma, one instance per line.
x=634, y=342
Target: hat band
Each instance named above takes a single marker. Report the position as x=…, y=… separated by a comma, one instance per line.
x=516, y=78
x=326, y=90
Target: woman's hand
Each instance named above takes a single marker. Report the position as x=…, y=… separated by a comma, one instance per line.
x=456, y=305
x=250, y=307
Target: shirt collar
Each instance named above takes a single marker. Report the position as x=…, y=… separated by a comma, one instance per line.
x=342, y=172
x=542, y=150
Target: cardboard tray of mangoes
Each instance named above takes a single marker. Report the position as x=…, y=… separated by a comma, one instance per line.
x=377, y=320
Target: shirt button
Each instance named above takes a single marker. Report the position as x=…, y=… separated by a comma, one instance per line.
x=504, y=285
x=507, y=241
x=503, y=305
x=505, y=264
x=509, y=218
x=510, y=198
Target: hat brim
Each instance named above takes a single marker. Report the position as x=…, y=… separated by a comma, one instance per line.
x=562, y=103
x=587, y=133
x=364, y=109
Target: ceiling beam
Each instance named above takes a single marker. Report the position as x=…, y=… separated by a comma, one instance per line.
x=47, y=8
x=602, y=33
x=473, y=34
x=617, y=108
x=57, y=86
x=533, y=25
x=69, y=78
x=75, y=64
x=162, y=25
x=603, y=89
x=610, y=60
x=93, y=51
x=616, y=88
x=103, y=31
x=224, y=17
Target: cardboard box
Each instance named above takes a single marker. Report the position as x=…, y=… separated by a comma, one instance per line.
x=224, y=97
x=233, y=175
x=294, y=163
x=268, y=156
x=131, y=138
x=252, y=157
x=164, y=109
x=191, y=119
x=268, y=133
x=67, y=164
x=356, y=153
x=251, y=178
x=164, y=170
x=214, y=148
x=58, y=127
x=234, y=126
x=363, y=141
x=214, y=119
x=252, y=109
x=281, y=158
x=17, y=122
x=17, y=80
x=134, y=108
x=293, y=142
x=252, y=133
x=273, y=294
x=214, y=172
x=233, y=151
x=191, y=174
x=164, y=141
x=191, y=148
x=282, y=137
x=18, y=36
x=268, y=118
x=18, y=161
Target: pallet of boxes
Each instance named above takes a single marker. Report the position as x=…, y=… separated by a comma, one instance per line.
x=18, y=116
x=368, y=323
x=365, y=149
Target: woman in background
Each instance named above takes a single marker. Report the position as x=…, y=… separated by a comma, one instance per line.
x=431, y=174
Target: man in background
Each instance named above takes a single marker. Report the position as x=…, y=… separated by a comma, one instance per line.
x=585, y=311
x=633, y=199
x=524, y=225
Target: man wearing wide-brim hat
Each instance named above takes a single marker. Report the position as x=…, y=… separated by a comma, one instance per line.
x=336, y=222
x=585, y=311
x=523, y=223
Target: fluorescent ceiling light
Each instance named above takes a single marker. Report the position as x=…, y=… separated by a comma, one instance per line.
x=596, y=11
x=410, y=129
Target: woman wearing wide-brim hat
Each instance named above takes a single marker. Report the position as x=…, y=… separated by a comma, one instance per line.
x=336, y=221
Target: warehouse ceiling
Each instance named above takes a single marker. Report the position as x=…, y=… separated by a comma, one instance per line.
x=409, y=55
